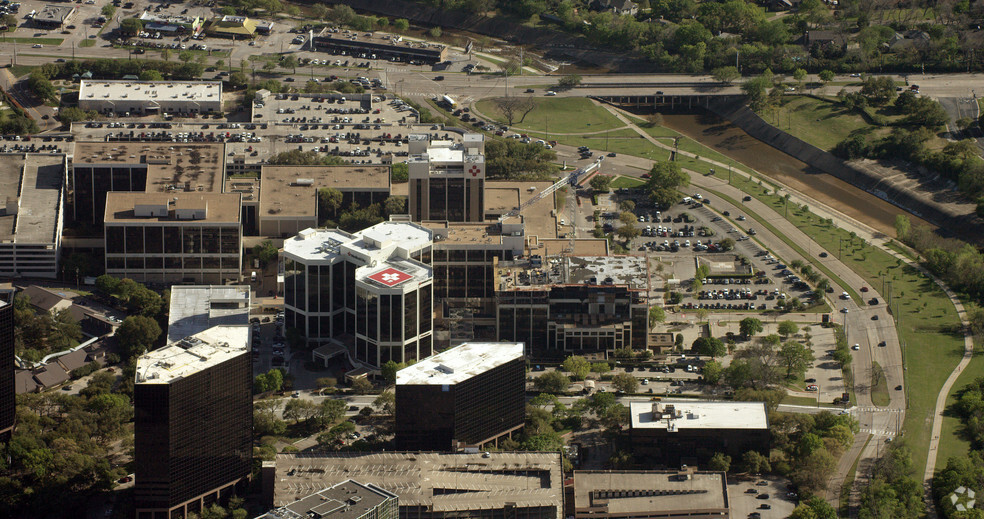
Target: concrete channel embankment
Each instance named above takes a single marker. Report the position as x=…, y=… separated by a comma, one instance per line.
x=932, y=201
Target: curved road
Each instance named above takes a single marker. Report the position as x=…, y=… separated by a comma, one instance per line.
x=884, y=422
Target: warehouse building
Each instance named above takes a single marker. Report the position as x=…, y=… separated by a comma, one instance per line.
x=520, y=485
x=563, y=305
x=174, y=238
x=193, y=423
x=368, y=294
x=126, y=97
x=673, y=434
x=31, y=214
x=468, y=396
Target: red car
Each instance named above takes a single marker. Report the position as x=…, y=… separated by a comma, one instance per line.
x=864, y=289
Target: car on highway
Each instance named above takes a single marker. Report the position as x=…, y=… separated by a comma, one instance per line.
x=844, y=310
x=438, y=78
x=898, y=387
x=856, y=347
x=882, y=344
x=550, y=93
x=529, y=90
x=874, y=317
x=812, y=387
x=823, y=254
x=762, y=496
x=37, y=46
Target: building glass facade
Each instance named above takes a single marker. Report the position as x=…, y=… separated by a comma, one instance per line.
x=7, y=388
x=174, y=252
x=193, y=439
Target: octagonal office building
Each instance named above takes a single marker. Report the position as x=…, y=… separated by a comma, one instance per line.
x=369, y=294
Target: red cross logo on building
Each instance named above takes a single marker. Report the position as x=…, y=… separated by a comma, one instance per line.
x=474, y=170
x=390, y=277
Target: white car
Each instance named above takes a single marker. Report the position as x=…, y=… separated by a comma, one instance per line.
x=37, y=46
x=550, y=93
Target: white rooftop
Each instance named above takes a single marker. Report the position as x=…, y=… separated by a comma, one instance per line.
x=313, y=244
x=192, y=354
x=196, y=308
x=150, y=91
x=459, y=363
x=384, y=239
x=699, y=415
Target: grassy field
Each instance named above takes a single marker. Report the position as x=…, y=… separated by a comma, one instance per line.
x=32, y=41
x=879, y=393
x=952, y=443
x=820, y=123
x=559, y=114
x=627, y=182
x=87, y=43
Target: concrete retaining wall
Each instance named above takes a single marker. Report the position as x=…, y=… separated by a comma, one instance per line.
x=922, y=204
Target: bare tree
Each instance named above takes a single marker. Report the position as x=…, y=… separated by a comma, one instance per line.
x=513, y=107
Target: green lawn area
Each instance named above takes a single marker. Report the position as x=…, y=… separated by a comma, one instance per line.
x=32, y=41
x=980, y=103
x=951, y=443
x=558, y=114
x=21, y=70
x=879, y=393
x=820, y=123
x=627, y=182
x=87, y=43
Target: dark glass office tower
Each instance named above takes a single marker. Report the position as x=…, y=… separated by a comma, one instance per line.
x=193, y=423
x=468, y=396
x=7, y=392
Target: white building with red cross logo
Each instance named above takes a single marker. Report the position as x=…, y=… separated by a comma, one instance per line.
x=447, y=179
x=367, y=295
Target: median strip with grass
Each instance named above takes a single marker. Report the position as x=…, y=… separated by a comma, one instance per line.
x=879, y=391
x=32, y=41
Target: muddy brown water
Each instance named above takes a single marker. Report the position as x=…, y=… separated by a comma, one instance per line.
x=729, y=140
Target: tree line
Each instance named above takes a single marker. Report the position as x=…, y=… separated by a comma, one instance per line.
x=692, y=36
x=964, y=471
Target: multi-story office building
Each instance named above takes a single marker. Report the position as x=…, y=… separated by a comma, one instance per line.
x=562, y=305
x=288, y=201
x=650, y=494
x=152, y=167
x=346, y=500
x=430, y=485
x=178, y=237
x=31, y=214
x=193, y=421
x=689, y=433
x=370, y=292
x=447, y=179
x=468, y=396
x=8, y=393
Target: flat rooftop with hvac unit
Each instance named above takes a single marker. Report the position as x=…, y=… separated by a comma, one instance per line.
x=162, y=167
x=524, y=485
x=31, y=214
x=468, y=396
x=688, y=433
x=150, y=97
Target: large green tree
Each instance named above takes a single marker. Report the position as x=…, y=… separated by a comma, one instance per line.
x=665, y=178
x=137, y=334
